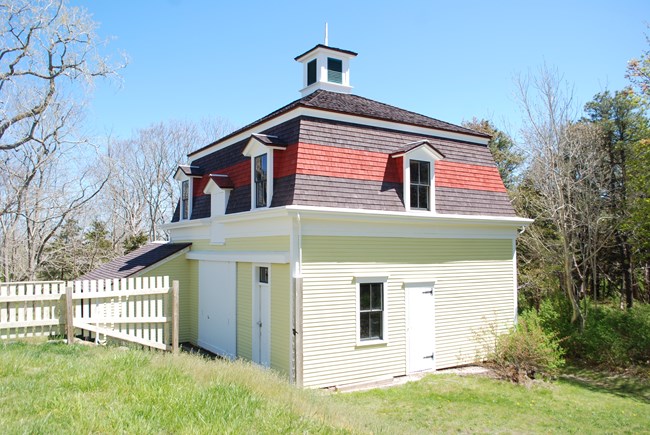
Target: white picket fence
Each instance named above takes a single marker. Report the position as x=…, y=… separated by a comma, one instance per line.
x=141, y=310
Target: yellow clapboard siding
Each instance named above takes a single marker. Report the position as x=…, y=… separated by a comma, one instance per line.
x=271, y=243
x=474, y=285
x=186, y=272
x=244, y=310
x=280, y=318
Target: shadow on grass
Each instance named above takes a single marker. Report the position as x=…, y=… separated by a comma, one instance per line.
x=635, y=386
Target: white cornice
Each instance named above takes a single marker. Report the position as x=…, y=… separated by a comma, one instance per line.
x=342, y=117
x=185, y=224
x=281, y=257
x=372, y=215
x=413, y=216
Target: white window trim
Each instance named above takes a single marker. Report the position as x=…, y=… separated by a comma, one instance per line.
x=423, y=154
x=384, y=324
x=255, y=149
x=181, y=177
x=189, y=200
x=269, y=179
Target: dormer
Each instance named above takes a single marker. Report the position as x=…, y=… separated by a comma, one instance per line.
x=218, y=187
x=418, y=169
x=185, y=174
x=326, y=68
x=260, y=148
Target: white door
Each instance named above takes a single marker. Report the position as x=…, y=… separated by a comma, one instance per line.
x=218, y=307
x=262, y=315
x=420, y=328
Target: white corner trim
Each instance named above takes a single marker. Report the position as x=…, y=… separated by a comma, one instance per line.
x=277, y=257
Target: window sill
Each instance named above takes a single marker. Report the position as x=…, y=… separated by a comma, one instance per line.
x=371, y=343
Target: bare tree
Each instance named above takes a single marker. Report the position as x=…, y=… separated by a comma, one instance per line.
x=49, y=57
x=47, y=51
x=565, y=174
x=46, y=183
x=141, y=192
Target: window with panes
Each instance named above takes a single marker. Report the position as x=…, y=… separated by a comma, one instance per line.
x=371, y=311
x=185, y=199
x=261, y=171
x=420, y=184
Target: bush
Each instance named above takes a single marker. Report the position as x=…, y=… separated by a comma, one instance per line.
x=526, y=352
x=612, y=337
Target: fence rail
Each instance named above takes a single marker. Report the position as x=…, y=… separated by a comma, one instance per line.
x=141, y=310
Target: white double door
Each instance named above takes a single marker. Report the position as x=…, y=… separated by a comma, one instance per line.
x=420, y=328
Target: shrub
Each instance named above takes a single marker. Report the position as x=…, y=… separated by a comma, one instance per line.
x=526, y=352
x=612, y=337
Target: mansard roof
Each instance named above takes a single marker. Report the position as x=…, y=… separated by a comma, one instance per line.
x=358, y=106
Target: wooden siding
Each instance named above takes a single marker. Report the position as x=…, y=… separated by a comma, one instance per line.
x=474, y=286
x=374, y=139
x=280, y=318
x=244, y=310
x=186, y=272
x=271, y=243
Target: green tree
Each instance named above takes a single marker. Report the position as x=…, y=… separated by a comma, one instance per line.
x=98, y=247
x=64, y=256
x=131, y=243
x=624, y=126
x=507, y=158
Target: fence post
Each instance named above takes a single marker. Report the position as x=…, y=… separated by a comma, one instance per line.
x=69, y=315
x=175, y=313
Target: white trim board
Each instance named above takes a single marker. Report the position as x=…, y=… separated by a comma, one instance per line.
x=336, y=116
x=276, y=257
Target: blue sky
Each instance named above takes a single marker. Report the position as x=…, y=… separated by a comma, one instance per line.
x=449, y=60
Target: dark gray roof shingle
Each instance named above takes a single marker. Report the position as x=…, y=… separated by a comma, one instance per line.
x=135, y=261
x=355, y=105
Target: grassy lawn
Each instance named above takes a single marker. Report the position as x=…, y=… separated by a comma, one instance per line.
x=451, y=403
x=54, y=388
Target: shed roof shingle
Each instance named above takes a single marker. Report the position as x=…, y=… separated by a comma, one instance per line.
x=135, y=261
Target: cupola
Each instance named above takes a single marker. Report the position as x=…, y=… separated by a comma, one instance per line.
x=326, y=67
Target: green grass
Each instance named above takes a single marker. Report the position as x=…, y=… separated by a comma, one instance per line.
x=54, y=388
x=451, y=403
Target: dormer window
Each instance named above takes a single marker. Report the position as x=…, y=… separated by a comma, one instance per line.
x=420, y=184
x=185, y=199
x=260, y=149
x=418, y=166
x=334, y=70
x=185, y=174
x=261, y=172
